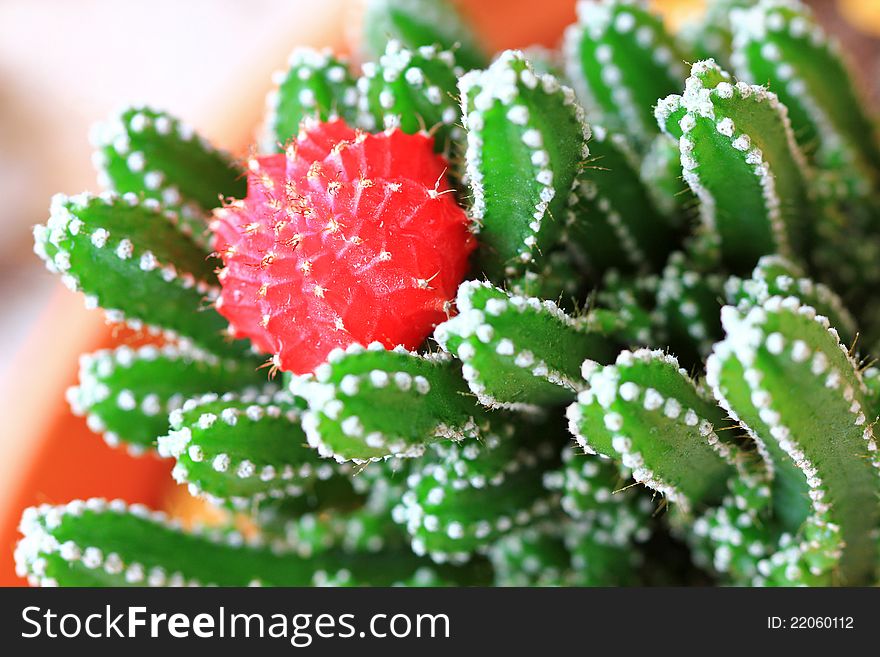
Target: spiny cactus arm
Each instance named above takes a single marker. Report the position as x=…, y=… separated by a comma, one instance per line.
x=739, y=156
x=621, y=60
x=415, y=90
x=355, y=399
x=156, y=156
x=807, y=388
x=778, y=276
x=244, y=449
x=871, y=377
x=688, y=305
x=610, y=517
x=127, y=257
x=526, y=144
x=417, y=23
x=532, y=556
x=558, y=278
x=726, y=376
x=518, y=352
x=660, y=171
x=711, y=36
x=646, y=412
x=627, y=307
x=461, y=497
x=778, y=42
x=100, y=543
x=316, y=84
x=613, y=221
x=126, y=394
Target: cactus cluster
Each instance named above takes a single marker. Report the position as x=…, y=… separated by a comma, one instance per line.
x=657, y=371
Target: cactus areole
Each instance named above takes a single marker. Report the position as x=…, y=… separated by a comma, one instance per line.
x=346, y=237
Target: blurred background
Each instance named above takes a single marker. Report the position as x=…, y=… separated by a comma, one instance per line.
x=65, y=64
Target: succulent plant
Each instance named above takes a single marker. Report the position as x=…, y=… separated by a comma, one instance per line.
x=538, y=319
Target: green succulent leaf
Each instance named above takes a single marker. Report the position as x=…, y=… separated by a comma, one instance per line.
x=126, y=394
x=156, y=156
x=127, y=257
x=526, y=144
x=518, y=352
x=316, y=85
x=354, y=402
x=416, y=23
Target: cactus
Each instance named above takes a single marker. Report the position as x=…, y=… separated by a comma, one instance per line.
x=488, y=336
x=316, y=84
x=689, y=280
x=123, y=254
x=414, y=90
x=621, y=60
x=526, y=142
x=416, y=23
x=613, y=221
x=96, y=542
x=353, y=401
x=152, y=154
x=126, y=394
x=740, y=158
x=777, y=42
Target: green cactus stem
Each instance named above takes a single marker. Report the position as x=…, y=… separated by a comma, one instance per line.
x=629, y=302
x=740, y=158
x=646, y=412
x=156, y=156
x=711, y=36
x=613, y=221
x=660, y=171
x=610, y=518
x=620, y=60
x=274, y=461
x=415, y=90
x=777, y=276
x=317, y=85
x=688, y=305
x=416, y=23
x=802, y=384
x=355, y=398
x=558, y=278
x=462, y=496
x=526, y=144
x=532, y=556
x=126, y=394
x=126, y=257
x=779, y=43
x=101, y=543
x=518, y=352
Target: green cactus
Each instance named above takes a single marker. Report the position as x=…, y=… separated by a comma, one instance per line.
x=317, y=85
x=621, y=59
x=461, y=497
x=275, y=462
x=488, y=336
x=788, y=358
x=414, y=90
x=353, y=401
x=126, y=394
x=123, y=254
x=778, y=42
x=691, y=283
x=154, y=155
x=645, y=411
x=96, y=542
x=416, y=23
x=613, y=221
x=526, y=143
x=740, y=158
